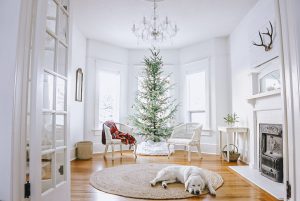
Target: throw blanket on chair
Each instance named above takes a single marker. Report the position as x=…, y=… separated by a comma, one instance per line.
x=126, y=138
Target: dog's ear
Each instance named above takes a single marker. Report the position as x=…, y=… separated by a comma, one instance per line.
x=187, y=173
x=186, y=184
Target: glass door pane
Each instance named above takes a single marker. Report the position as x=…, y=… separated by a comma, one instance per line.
x=60, y=166
x=63, y=25
x=60, y=94
x=51, y=16
x=47, y=134
x=49, y=56
x=48, y=91
x=47, y=176
x=60, y=131
x=62, y=62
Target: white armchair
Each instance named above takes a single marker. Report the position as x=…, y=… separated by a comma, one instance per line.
x=112, y=142
x=187, y=135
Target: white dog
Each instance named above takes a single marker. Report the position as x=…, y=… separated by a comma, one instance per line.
x=193, y=178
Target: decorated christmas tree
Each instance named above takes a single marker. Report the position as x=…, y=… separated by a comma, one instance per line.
x=154, y=108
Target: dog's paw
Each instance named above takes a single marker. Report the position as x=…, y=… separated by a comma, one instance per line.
x=213, y=192
x=152, y=184
x=164, y=185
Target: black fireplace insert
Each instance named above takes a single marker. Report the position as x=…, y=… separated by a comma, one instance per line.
x=271, y=151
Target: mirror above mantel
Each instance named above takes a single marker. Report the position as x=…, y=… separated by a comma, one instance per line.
x=266, y=80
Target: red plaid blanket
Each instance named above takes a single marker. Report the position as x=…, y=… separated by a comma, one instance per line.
x=126, y=138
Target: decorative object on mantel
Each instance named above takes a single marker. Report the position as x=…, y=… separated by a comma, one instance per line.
x=263, y=43
x=153, y=30
x=79, y=83
x=233, y=152
x=154, y=108
x=231, y=119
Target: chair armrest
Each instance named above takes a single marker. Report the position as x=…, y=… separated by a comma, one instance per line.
x=197, y=133
x=126, y=127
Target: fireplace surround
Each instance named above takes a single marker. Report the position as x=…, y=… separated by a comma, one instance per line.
x=271, y=151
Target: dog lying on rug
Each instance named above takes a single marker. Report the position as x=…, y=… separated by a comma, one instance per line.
x=193, y=178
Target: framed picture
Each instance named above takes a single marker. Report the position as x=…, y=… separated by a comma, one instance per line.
x=79, y=83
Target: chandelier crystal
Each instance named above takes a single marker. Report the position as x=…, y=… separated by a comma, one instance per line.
x=154, y=30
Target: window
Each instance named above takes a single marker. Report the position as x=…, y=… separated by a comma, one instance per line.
x=108, y=97
x=196, y=89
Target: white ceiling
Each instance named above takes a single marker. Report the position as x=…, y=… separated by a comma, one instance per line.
x=111, y=20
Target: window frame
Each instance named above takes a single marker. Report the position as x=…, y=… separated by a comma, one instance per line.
x=202, y=65
x=97, y=94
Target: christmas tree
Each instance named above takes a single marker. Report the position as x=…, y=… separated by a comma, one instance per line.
x=154, y=108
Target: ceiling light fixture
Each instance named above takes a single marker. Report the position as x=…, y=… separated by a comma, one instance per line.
x=153, y=30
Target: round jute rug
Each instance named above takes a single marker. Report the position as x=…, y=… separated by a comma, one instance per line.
x=133, y=181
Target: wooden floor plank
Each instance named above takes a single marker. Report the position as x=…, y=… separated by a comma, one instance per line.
x=235, y=187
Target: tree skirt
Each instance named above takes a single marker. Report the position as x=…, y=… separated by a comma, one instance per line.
x=154, y=148
x=134, y=181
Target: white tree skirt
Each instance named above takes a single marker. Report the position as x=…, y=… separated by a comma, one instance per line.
x=154, y=148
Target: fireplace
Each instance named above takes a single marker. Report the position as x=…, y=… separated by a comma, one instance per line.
x=271, y=151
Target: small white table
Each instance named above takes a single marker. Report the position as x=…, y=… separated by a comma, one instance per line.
x=232, y=131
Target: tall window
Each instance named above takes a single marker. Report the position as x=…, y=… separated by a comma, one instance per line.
x=197, y=98
x=108, y=95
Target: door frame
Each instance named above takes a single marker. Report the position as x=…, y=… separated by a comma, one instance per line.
x=291, y=52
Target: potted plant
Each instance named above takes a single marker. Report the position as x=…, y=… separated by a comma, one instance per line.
x=231, y=119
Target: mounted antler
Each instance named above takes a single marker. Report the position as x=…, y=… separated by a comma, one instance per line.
x=268, y=33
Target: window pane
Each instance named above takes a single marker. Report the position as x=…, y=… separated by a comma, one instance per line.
x=60, y=166
x=47, y=177
x=49, y=52
x=60, y=130
x=48, y=91
x=60, y=94
x=63, y=26
x=109, y=96
x=61, y=60
x=198, y=117
x=51, y=16
x=196, y=91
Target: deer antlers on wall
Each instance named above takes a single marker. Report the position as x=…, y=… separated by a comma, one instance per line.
x=262, y=42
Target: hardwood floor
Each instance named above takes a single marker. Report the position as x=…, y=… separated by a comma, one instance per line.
x=235, y=187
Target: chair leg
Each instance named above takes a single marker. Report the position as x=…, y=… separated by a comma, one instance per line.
x=105, y=150
x=121, y=149
x=134, y=151
x=169, y=151
x=199, y=151
x=189, y=153
x=112, y=151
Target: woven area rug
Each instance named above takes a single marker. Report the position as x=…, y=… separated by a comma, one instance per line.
x=133, y=181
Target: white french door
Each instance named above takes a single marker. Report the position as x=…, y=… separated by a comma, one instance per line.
x=49, y=168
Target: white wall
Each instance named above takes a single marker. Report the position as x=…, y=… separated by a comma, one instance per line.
x=216, y=51
x=107, y=57
x=78, y=60
x=244, y=56
x=9, y=21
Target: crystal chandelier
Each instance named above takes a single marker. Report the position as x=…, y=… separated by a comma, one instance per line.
x=153, y=30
